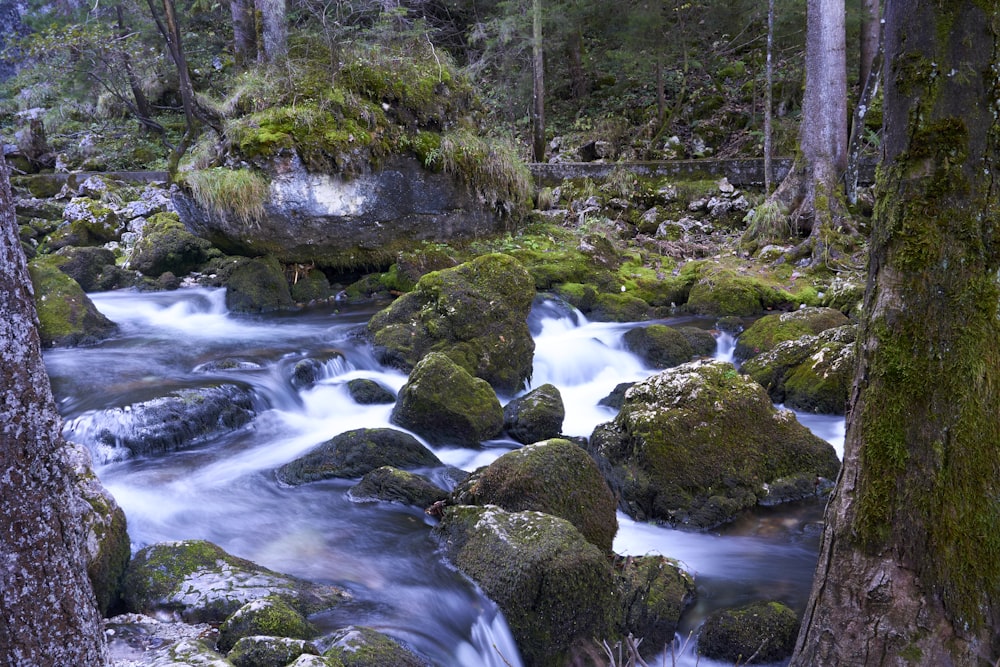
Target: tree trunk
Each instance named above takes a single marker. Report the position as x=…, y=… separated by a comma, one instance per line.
x=810, y=192
x=769, y=101
x=909, y=567
x=538, y=84
x=244, y=33
x=48, y=612
x=273, y=42
x=871, y=28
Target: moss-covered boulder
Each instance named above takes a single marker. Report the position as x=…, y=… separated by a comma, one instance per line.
x=654, y=591
x=555, y=588
x=762, y=632
x=258, y=286
x=811, y=373
x=476, y=313
x=537, y=415
x=443, y=403
x=703, y=342
x=107, y=542
x=659, y=346
x=360, y=646
x=397, y=486
x=720, y=292
x=694, y=445
x=354, y=453
x=309, y=286
x=369, y=392
x=88, y=222
x=265, y=651
x=92, y=268
x=770, y=330
x=66, y=316
x=166, y=245
x=201, y=583
x=554, y=476
x=271, y=616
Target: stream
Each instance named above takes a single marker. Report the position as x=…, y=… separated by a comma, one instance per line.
x=223, y=489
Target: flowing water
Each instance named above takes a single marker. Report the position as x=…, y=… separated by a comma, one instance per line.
x=223, y=489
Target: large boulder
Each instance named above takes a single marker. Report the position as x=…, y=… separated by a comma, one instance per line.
x=166, y=246
x=556, y=477
x=475, y=313
x=444, y=404
x=811, y=373
x=87, y=222
x=92, y=268
x=397, y=486
x=334, y=221
x=66, y=316
x=257, y=286
x=266, y=651
x=654, y=591
x=695, y=444
x=198, y=582
x=271, y=616
x=535, y=416
x=555, y=588
x=354, y=453
x=660, y=346
x=770, y=330
x=762, y=632
x=175, y=421
x=360, y=646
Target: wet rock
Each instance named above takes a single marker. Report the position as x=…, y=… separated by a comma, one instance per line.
x=197, y=582
x=554, y=476
x=87, y=266
x=306, y=372
x=536, y=416
x=445, y=404
x=369, y=392
x=654, y=592
x=811, y=373
x=263, y=651
x=66, y=315
x=397, y=486
x=659, y=346
x=165, y=245
x=137, y=640
x=763, y=632
x=355, y=453
x=554, y=587
x=770, y=330
x=616, y=398
x=311, y=287
x=360, y=646
x=694, y=445
x=475, y=313
x=258, y=286
x=271, y=616
x=167, y=423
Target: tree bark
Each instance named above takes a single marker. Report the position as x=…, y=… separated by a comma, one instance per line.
x=871, y=28
x=273, y=42
x=48, y=612
x=909, y=567
x=244, y=33
x=538, y=84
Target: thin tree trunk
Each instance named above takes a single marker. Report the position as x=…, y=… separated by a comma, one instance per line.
x=909, y=566
x=868, y=93
x=244, y=33
x=769, y=101
x=48, y=612
x=578, y=76
x=273, y=43
x=142, y=111
x=538, y=84
x=871, y=29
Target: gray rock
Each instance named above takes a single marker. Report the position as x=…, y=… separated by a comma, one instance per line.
x=536, y=416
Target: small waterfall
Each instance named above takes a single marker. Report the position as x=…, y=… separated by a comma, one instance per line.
x=725, y=347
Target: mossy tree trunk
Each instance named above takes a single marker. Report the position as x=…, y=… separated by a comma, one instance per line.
x=48, y=612
x=811, y=192
x=909, y=568
x=538, y=84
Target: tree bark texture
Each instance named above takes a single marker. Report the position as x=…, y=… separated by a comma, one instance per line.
x=538, y=84
x=273, y=36
x=871, y=19
x=244, y=33
x=909, y=566
x=48, y=612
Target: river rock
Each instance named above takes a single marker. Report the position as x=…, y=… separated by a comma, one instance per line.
x=355, y=453
x=88, y=267
x=88, y=222
x=369, y=392
x=271, y=616
x=167, y=423
x=397, y=486
x=475, y=313
x=66, y=315
x=556, y=477
x=334, y=221
x=770, y=330
x=257, y=286
x=165, y=245
x=811, y=373
x=536, y=416
x=137, y=640
x=554, y=587
x=360, y=646
x=723, y=292
x=107, y=542
x=654, y=592
x=694, y=445
x=659, y=346
x=446, y=405
x=198, y=582
x=762, y=632
x=264, y=651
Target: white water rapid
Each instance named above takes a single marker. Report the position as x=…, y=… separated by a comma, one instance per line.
x=223, y=488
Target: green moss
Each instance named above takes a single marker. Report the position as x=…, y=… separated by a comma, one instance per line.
x=65, y=313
